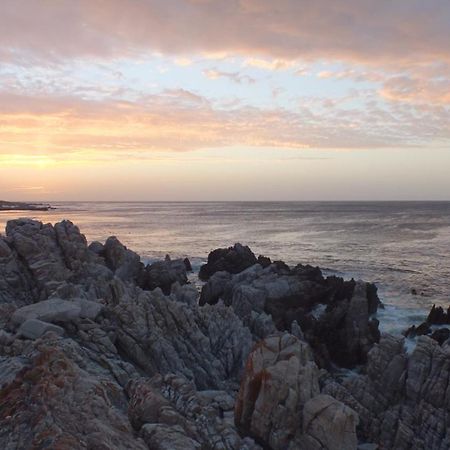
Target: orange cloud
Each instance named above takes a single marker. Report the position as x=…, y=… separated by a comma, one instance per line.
x=49, y=129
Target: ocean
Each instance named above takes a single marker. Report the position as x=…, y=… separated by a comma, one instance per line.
x=400, y=246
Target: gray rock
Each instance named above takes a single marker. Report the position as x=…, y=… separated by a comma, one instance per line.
x=125, y=263
x=330, y=423
x=89, y=309
x=34, y=328
x=52, y=310
x=279, y=379
x=163, y=274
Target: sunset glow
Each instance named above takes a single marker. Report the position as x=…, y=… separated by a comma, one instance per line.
x=181, y=95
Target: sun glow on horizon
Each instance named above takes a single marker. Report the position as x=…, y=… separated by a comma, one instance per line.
x=190, y=105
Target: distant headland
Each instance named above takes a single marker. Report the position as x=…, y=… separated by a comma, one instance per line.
x=21, y=206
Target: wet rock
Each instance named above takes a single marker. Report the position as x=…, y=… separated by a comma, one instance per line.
x=438, y=316
x=441, y=335
x=413, y=331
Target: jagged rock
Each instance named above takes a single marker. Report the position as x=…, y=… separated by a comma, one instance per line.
x=280, y=377
x=401, y=401
x=438, y=316
x=328, y=424
x=413, y=331
x=164, y=274
x=186, y=294
x=232, y=259
x=36, y=245
x=74, y=391
x=169, y=413
x=52, y=402
x=346, y=329
x=343, y=335
x=215, y=288
x=441, y=335
x=125, y=263
x=264, y=261
x=97, y=247
x=187, y=264
x=17, y=286
x=52, y=310
x=162, y=335
x=34, y=328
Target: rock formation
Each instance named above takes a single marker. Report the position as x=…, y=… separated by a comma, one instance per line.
x=99, y=351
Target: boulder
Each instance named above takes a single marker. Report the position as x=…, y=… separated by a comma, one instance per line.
x=34, y=328
x=279, y=379
x=52, y=310
x=329, y=423
x=88, y=309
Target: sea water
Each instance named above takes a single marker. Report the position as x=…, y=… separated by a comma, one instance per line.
x=401, y=246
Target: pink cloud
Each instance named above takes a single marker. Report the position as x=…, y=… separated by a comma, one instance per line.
x=179, y=121
x=361, y=30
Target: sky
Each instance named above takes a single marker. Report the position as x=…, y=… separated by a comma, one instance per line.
x=224, y=100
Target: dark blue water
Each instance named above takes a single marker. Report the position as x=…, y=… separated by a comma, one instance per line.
x=399, y=245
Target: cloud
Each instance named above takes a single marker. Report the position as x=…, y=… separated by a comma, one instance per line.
x=214, y=74
x=352, y=30
x=69, y=128
x=417, y=90
x=269, y=64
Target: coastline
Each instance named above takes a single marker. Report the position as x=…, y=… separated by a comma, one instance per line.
x=23, y=206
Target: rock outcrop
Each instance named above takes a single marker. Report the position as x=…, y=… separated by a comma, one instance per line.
x=279, y=402
x=436, y=316
x=164, y=274
x=232, y=259
x=401, y=401
x=275, y=297
x=99, y=351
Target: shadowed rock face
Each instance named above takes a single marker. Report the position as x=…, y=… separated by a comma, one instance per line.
x=342, y=334
x=436, y=316
x=99, y=351
x=401, y=401
x=232, y=259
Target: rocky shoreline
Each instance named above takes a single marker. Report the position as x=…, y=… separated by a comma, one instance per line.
x=99, y=351
x=21, y=206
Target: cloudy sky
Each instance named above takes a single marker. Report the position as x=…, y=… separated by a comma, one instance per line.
x=224, y=99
